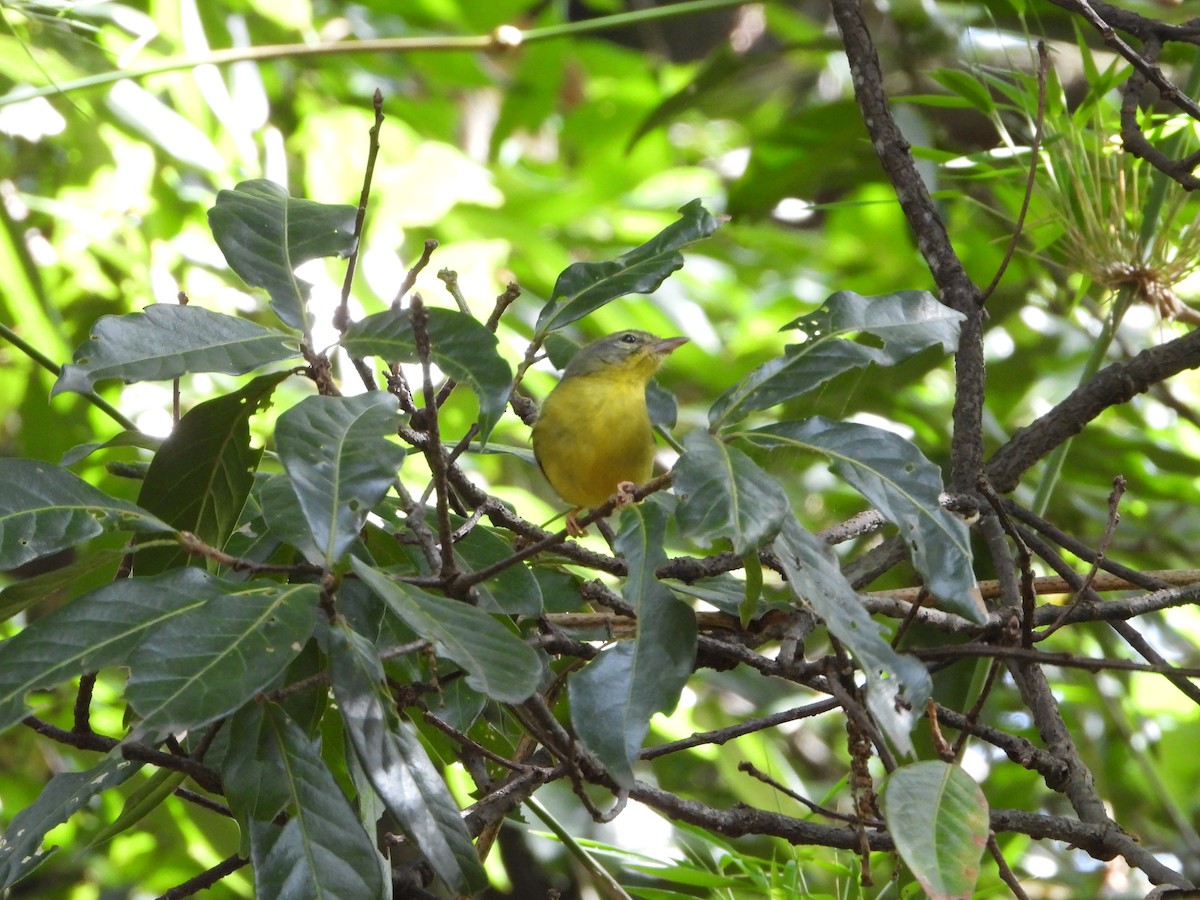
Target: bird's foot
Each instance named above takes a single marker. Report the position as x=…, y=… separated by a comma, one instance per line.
x=624, y=494
x=574, y=529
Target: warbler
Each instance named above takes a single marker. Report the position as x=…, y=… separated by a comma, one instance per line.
x=592, y=438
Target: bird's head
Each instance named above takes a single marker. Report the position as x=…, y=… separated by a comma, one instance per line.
x=630, y=354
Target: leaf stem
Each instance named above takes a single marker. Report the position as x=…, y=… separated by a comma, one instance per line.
x=55, y=369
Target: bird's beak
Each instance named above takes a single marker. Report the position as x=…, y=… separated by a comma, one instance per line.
x=663, y=346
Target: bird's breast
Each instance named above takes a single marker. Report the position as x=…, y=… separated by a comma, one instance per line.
x=591, y=436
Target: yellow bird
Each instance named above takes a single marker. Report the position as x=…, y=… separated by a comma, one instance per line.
x=592, y=437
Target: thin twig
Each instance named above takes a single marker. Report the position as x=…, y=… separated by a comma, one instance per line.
x=434, y=452
x=817, y=808
x=341, y=316
x=411, y=277
x=205, y=879
x=1024, y=560
x=1110, y=527
x=1035, y=153
x=190, y=543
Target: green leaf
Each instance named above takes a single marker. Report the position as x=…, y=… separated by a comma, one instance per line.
x=460, y=346
x=200, y=478
x=21, y=848
x=496, y=661
x=340, y=463
x=142, y=801
x=584, y=287
x=284, y=518
x=60, y=584
x=44, y=509
x=265, y=235
x=513, y=591
x=322, y=852
x=896, y=684
x=246, y=753
x=938, y=817
x=724, y=494
x=99, y=629
x=397, y=765
x=207, y=662
x=893, y=474
x=615, y=695
x=80, y=452
x=967, y=86
x=165, y=341
x=906, y=322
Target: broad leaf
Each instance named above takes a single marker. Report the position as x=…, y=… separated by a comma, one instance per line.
x=44, y=509
x=513, y=591
x=247, y=754
x=199, y=479
x=207, y=662
x=459, y=345
x=497, y=662
x=897, y=685
x=906, y=322
x=99, y=629
x=397, y=765
x=615, y=695
x=893, y=474
x=938, y=817
x=322, y=852
x=284, y=518
x=21, y=848
x=584, y=287
x=62, y=583
x=340, y=463
x=121, y=439
x=724, y=494
x=165, y=341
x=265, y=234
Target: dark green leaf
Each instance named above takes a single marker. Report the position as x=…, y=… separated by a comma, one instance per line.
x=938, y=817
x=615, y=695
x=44, y=509
x=513, y=591
x=397, y=766
x=166, y=341
x=724, y=494
x=893, y=474
x=896, y=684
x=99, y=629
x=661, y=405
x=284, y=518
x=497, y=662
x=199, y=479
x=207, y=662
x=21, y=848
x=251, y=771
x=340, y=463
x=461, y=347
x=906, y=322
x=584, y=287
x=62, y=583
x=322, y=852
x=265, y=234
x=121, y=439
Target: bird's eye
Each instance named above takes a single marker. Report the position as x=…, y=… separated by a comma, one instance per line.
x=629, y=337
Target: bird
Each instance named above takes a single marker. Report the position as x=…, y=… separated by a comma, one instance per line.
x=592, y=438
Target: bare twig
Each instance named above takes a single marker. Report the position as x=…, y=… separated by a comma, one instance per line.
x=1035, y=149
x=411, y=277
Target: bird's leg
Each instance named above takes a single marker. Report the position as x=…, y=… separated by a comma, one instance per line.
x=574, y=529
